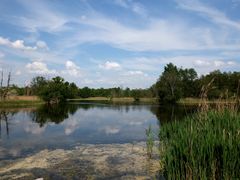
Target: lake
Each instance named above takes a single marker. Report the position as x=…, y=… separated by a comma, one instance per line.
x=29, y=130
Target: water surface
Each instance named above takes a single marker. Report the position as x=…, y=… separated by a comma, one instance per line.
x=26, y=131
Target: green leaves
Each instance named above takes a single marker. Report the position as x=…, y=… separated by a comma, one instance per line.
x=55, y=90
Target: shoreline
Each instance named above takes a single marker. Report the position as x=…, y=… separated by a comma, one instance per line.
x=86, y=161
x=20, y=103
x=28, y=101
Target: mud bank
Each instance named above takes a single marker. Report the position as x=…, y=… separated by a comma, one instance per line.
x=113, y=161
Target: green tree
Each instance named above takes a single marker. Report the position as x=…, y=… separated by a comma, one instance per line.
x=169, y=84
x=57, y=90
x=188, y=77
x=85, y=92
x=37, y=85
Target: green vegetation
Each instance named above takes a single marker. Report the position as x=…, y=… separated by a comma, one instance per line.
x=203, y=146
x=20, y=103
x=177, y=83
x=117, y=99
x=55, y=90
x=174, y=85
x=150, y=141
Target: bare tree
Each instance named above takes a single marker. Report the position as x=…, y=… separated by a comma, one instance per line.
x=2, y=80
x=5, y=90
x=1, y=86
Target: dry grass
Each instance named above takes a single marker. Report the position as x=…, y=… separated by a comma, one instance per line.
x=24, y=98
x=20, y=101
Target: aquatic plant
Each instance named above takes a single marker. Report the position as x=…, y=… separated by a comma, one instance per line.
x=150, y=141
x=205, y=145
x=202, y=147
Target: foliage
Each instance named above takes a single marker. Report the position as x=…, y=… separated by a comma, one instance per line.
x=55, y=90
x=173, y=84
x=37, y=85
x=203, y=146
x=87, y=92
x=169, y=89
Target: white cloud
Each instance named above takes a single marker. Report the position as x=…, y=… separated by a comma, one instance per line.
x=72, y=69
x=135, y=73
x=39, y=67
x=218, y=63
x=157, y=34
x=231, y=63
x=201, y=63
x=135, y=7
x=41, y=45
x=212, y=63
x=110, y=65
x=210, y=13
x=19, y=44
x=40, y=18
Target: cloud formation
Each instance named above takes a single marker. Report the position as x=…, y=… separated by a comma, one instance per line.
x=110, y=65
x=72, y=69
x=137, y=38
x=38, y=67
x=19, y=44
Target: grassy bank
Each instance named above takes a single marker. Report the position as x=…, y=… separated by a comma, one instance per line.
x=204, y=146
x=120, y=99
x=197, y=101
x=184, y=101
x=20, y=103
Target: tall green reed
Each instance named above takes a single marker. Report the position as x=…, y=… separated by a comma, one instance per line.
x=205, y=145
x=150, y=141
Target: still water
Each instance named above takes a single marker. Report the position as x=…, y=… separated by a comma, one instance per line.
x=29, y=130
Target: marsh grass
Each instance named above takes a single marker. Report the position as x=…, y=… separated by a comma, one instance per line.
x=150, y=141
x=20, y=103
x=205, y=145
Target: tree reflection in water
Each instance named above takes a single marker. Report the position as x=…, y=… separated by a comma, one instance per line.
x=168, y=113
x=52, y=113
x=58, y=113
x=4, y=120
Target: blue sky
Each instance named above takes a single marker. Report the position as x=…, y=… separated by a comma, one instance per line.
x=105, y=43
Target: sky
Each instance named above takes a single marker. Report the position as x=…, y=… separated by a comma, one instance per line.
x=125, y=43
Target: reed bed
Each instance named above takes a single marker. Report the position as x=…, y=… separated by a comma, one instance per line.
x=205, y=145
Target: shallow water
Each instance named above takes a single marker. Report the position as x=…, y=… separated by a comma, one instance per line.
x=28, y=131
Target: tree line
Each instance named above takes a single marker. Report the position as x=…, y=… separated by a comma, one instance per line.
x=174, y=83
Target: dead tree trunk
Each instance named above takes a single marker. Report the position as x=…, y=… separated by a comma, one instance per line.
x=8, y=86
x=1, y=87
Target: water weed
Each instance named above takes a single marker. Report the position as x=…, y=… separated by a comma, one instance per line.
x=150, y=141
